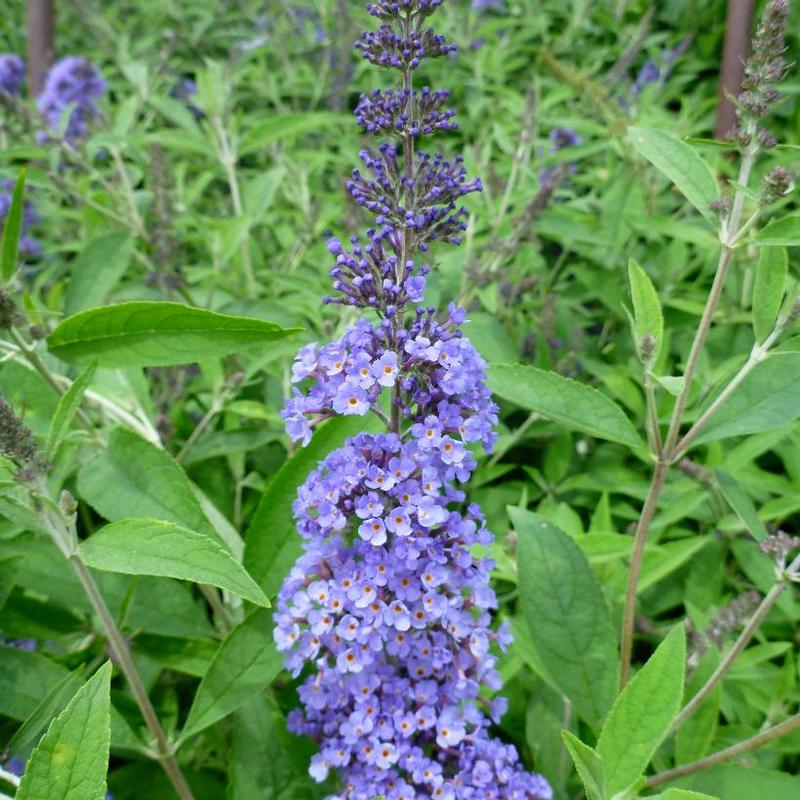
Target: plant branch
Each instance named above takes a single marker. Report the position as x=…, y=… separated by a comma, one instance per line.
x=122, y=656
x=728, y=234
x=757, y=355
x=640, y=539
x=759, y=740
x=744, y=639
x=228, y=160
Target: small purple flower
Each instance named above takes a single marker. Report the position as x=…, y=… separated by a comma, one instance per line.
x=184, y=90
x=12, y=73
x=560, y=139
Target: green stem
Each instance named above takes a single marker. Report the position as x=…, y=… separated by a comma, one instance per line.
x=122, y=656
x=228, y=160
x=744, y=639
x=33, y=359
x=759, y=740
x=757, y=355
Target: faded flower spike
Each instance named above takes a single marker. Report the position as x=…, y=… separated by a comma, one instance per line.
x=764, y=69
x=389, y=605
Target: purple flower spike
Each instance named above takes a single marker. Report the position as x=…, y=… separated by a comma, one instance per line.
x=73, y=85
x=391, y=604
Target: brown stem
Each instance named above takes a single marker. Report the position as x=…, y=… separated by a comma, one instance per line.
x=648, y=512
x=730, y=230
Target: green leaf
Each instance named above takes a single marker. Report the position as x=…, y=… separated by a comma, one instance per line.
x=681, y=164
x=26, y=678
x=12, y=228
x=52, y=704
x=97, y=270
x=246, y=663
x=672, y=384
x=565, y=401
x=152, y=334
x=288, y=126
x=566, y=615
x=134, y=478
x=643, y=713
x=154, y=547
x=588, y=764
x=771, y=272
x=272, y=543
x=736, y=782
x=694, y=737
x=741, y=504
x=266, y=761
x=67, y=407
x=647, y=316
x=682, y=794
x=71, y=760
x=782, y=232
x=769, y=397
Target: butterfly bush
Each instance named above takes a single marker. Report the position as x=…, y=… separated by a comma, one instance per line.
x=388, y=612
x=73, y=86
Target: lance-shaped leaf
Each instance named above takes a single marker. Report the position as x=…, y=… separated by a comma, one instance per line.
x=588, y=764
x=681, y=164
x=566, y=615
x=643, y=713
x=246, y=663
x=740, y=502
x=781, y=232
x=66, y=410
x=565, y=401
x=153, y=547
x=769, y=397
x=71, y=760
x=272, y=543
x=97, y=270
x=152, y=334
x=771, y=272
x=12, y=228
x=648, y=321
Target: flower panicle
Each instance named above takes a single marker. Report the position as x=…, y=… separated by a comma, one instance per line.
x=390, y=605
x=763, y=71
x=17, y=443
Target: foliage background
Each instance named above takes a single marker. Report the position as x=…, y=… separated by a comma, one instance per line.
x=145, y=211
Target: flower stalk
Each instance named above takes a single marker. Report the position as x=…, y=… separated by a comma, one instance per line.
x=764, y=68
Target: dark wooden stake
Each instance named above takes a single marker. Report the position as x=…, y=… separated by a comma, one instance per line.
x=738, y=29
x=41, y=42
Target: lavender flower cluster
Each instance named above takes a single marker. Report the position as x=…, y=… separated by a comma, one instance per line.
x=73, y=87
x=12, y=73
x=390, y=605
